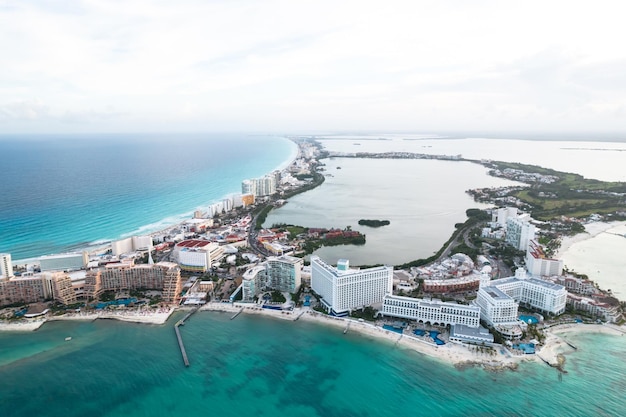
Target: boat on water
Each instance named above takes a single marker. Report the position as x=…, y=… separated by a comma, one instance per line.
x=67, y=339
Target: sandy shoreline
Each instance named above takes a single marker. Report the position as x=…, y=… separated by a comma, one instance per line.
x=144, y=316
x=591, y=230
x=452, y=353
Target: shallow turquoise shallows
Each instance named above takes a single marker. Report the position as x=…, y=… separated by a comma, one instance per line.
x=267, y=367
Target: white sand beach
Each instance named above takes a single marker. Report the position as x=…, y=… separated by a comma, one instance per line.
x=591, y=230
x=138, y=315
x=599, y=254
x=556, y=343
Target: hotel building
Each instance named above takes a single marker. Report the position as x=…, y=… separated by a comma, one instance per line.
x=498, y=301
x=260, y=187
x=434, y=312
x=519, y=232
x=282, y=273
x=496, y=308
x=535, y=293
x=343, y=289
x=538, y=264
x=36, y=288
x=64, y=262
x=6, y=267
x=163, y=276
x=197, y=255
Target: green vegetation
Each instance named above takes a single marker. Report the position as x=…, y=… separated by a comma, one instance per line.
x=572, y=195
x=318, y=179
x=108, y=295
x=366, y=313
x=374, y=223
x=312, y=245
x=278, y=297
x=263, y=212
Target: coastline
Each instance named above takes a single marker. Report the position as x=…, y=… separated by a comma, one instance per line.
x=139, y=315
x=455, y=354
x=162, y=226
x=452, y=353
x=591, y=230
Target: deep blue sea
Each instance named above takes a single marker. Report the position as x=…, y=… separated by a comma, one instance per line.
x=64, y=192
x=259, y=366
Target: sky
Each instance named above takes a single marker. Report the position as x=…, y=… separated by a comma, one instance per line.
x=312, y=66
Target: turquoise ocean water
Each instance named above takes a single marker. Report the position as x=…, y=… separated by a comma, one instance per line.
x=63, y=192
x=267, y=367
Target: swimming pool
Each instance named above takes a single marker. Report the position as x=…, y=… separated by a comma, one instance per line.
x=529, y=319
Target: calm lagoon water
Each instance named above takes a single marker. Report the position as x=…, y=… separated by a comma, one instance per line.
x=423, y=200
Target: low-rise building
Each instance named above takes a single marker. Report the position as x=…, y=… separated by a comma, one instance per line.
x=64, y=262
x=593, y=307
x=467, y=334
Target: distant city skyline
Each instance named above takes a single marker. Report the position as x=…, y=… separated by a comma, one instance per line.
x=429, y=67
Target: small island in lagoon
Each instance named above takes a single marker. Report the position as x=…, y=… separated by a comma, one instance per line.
x=374, y=223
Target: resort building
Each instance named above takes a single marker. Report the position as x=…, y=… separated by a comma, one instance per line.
x=576, y=285
x=535, y=293
x=247, y=199
x=163, y=276
x=197, y=255
x=343, y=289
x=277, y=273
x=6, y=267
x=284, y=273
x=603, y=310
x=64, y=262
x=538, y=264
x=36, y=288
x=496, y=307
x=501, y=215
x=453, y=285
x=131, y=244
x=434, y=312
x=519, y=232
x=260, y=187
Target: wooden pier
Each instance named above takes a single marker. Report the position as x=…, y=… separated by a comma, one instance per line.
x=299, y=315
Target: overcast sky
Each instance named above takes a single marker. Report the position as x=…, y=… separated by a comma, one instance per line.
x=302, y=66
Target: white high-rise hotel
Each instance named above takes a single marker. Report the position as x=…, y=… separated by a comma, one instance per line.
x=6, y=267
x=260, y=186
x=343, y=289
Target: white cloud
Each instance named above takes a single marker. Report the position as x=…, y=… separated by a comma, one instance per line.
x=392, y=65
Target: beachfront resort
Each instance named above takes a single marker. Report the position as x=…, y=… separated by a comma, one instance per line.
x=222, y=259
